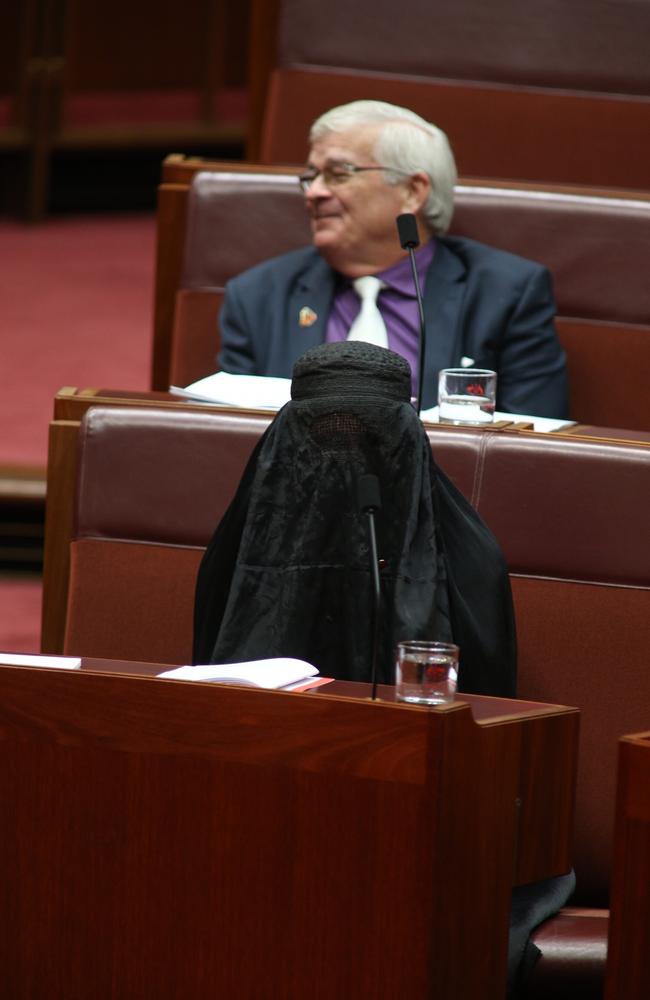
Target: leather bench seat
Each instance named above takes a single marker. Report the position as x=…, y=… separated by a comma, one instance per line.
x=574, y=952
x=537, y=91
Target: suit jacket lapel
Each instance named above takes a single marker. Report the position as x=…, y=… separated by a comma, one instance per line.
x=443, y=294
x=313, y=290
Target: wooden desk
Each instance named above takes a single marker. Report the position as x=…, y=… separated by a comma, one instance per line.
x=172, y=839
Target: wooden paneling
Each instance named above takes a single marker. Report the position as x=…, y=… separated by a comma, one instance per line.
x=628, y=968
x=91, y=76
x=170, y=839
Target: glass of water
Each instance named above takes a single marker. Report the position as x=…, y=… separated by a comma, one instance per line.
x=466, y=395
x=426, y=672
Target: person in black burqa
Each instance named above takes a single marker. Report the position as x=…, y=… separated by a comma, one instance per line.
x=287, y=572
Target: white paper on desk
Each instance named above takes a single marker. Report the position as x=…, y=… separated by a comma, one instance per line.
x=543, y=425
x=276, y=672
x=253, y=392
x=23, y=660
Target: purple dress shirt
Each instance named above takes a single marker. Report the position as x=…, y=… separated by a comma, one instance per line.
x=397, y=304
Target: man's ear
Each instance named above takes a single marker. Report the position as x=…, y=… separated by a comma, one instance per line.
x=417, y=187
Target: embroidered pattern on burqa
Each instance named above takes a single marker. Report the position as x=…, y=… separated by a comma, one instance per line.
x=288, y=573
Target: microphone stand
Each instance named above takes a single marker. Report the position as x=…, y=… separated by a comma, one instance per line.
x=407, y=229
x=369, y=503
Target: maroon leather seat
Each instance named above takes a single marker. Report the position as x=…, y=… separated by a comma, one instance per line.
x=570, y=514
x=535, y=91
x=137, y=542
x=574, y=953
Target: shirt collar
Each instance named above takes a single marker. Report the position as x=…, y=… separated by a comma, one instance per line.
x=399, y=276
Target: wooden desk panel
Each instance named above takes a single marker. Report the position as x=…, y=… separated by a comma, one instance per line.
x=195, y=840
x=628, y=967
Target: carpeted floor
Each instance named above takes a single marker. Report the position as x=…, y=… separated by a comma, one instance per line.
x=76, y=308
x=20, y=614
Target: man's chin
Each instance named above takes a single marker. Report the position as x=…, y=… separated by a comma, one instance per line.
x=325, y=229
x=323, y=237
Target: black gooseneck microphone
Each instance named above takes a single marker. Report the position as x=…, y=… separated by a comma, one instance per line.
x=407, y=229
x=369, y=501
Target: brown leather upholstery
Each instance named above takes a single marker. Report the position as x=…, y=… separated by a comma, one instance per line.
x=595, y=246
x=571, y=516
x=535, y=92
x=574, y=951
x=151, y=489
x=257, y=216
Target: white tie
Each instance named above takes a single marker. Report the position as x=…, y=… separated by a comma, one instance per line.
x=369, y=325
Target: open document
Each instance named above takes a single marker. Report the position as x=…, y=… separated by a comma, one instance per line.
x=276, y=672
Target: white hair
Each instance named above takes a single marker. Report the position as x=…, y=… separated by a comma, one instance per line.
x=406, y=143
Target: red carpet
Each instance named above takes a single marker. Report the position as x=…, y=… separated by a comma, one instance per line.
x=20, y=615
x=75, y=309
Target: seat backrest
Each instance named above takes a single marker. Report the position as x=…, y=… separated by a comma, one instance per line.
x=151, y=488
x=535, y=91
x=234, y=220
x=570, y=515
x=595, y=245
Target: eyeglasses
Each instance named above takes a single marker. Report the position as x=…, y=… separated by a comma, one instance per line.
x=340, y=173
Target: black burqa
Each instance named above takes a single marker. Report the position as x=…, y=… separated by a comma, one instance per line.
x=288, y=573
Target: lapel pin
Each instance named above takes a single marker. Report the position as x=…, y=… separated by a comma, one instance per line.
x=307, y=316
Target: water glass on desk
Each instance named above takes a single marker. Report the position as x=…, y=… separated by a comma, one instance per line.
x=466, y=396
x=426, y=672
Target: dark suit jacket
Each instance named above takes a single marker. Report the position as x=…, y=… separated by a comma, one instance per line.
x=479, y=303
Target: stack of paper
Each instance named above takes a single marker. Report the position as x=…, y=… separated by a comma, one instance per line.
x=276, y=672
x=35, y=660
x=254, y=392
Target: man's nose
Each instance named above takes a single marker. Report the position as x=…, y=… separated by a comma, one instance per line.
x=318, y=188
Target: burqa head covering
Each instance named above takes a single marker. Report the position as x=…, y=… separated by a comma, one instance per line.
x=288, y=571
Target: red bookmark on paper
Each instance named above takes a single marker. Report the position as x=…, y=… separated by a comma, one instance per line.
x=314, y=682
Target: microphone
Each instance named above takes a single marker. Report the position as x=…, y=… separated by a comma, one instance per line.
x=369, y=502
x=368, y=495
x=407, y=229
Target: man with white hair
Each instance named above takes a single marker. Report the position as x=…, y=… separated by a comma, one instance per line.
x=368, y=163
